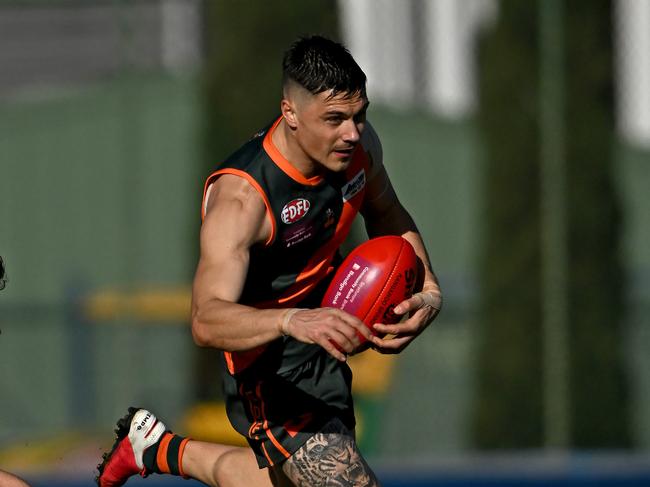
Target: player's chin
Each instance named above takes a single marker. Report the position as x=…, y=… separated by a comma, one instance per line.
x=338, y=162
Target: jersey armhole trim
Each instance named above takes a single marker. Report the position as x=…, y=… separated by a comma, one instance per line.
x=237, y=172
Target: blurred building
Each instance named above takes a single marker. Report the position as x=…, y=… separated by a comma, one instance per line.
x=431, y=45
x=432, y=48
x=632, y=25
x=48, y=45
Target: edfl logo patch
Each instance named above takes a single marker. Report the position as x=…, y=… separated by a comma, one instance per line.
x=295, y=210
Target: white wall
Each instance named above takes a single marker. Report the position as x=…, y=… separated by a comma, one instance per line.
x=632, y=38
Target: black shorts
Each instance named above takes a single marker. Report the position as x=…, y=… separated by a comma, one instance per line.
x=279, y=412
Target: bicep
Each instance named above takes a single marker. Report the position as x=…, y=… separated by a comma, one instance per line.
x=235, y=220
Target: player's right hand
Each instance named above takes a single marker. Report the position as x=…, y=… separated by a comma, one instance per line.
x=335, y=330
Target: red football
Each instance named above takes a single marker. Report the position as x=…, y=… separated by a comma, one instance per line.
x=374, y=278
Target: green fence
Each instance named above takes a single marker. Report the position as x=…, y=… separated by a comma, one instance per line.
x=99, y=189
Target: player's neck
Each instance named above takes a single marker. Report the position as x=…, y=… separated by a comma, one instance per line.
x=286, y=144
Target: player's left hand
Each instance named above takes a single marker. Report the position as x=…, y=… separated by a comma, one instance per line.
x=422, y=307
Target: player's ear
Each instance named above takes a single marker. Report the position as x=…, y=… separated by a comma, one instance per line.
x=289, y=112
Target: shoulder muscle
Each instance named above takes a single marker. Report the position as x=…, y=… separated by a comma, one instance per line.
x=235, y=214
x=235, y=220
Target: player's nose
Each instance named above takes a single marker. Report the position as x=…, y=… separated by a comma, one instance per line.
x=351, y=135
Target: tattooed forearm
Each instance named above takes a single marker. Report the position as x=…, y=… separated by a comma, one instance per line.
x=330, y=459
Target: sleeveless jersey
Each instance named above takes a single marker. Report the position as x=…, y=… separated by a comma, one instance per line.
x=310, y=219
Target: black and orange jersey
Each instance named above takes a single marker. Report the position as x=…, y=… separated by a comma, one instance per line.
x=310, y=219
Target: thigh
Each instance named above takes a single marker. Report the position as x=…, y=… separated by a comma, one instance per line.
x=330, y=458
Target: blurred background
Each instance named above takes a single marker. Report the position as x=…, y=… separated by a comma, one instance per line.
x=516, y=133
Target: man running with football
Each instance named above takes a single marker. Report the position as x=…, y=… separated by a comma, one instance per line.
x=274, y=215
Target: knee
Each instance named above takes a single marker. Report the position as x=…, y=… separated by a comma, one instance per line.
x=234, y=468
x=223, y=468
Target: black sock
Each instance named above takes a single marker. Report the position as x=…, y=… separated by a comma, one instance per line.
x=166, y=455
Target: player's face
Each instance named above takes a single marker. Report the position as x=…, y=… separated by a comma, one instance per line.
x=330, y=128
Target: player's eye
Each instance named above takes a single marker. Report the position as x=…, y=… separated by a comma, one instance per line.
x=334, y=120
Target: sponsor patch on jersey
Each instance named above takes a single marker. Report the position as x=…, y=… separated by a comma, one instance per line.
x=297, y=234
x=295, y=210
x=353, y=186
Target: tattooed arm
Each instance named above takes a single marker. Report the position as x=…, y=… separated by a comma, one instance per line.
x=330, y=458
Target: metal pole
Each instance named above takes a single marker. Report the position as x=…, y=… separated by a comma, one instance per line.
x=557, y=422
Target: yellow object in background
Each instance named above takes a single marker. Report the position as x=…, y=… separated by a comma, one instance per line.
x=207, y=421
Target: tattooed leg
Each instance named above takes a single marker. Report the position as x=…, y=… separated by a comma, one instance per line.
x=330, y=458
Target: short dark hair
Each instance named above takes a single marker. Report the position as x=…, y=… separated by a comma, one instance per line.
x=319, y=64
x=2, y=274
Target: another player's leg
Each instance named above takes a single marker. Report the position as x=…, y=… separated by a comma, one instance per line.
x=10, y=480
x=330, y=457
